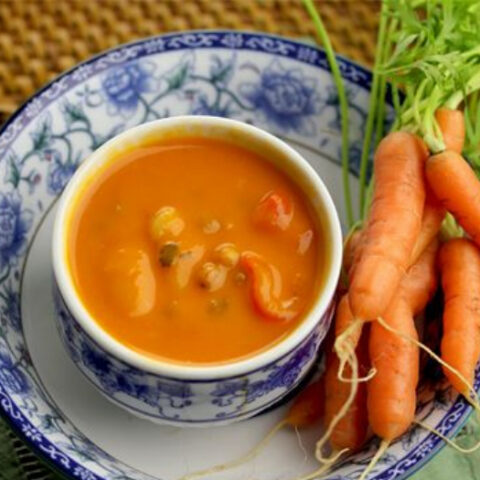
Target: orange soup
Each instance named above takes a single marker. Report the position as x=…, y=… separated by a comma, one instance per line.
x=195, y=251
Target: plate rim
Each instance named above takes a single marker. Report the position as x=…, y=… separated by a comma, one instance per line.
x=53, y=457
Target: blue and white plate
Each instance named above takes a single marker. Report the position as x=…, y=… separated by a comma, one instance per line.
x=280, y=85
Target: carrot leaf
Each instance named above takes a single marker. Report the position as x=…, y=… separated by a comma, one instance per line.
x=436, y=56
x=376, y=102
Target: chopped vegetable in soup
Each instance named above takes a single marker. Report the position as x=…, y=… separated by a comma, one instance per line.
x=196, y=251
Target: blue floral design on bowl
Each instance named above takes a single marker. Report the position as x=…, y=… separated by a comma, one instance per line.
x=180, y=402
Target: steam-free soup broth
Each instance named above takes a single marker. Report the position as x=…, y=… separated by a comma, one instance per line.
x=195, y=251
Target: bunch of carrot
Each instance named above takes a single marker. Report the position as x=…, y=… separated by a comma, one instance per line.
x=422, y=187
x=393, y=275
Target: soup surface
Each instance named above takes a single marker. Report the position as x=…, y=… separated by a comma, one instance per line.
x=195, y=251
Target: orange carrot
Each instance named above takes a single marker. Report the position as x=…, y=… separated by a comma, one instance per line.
x=460, y=347
x=351, y=251
x=344, y=319
x=351, y=431
x=345, y=414
x=265, y=287
x=452, y=126
x=433, y=216
x=308, y=406
x=420, y=282
x=393, y=225
x=456, y=186
x=392, y=391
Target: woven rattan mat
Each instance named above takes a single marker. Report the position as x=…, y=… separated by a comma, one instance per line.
x=41, y=38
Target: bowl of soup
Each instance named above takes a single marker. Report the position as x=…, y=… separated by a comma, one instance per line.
x=195, y=263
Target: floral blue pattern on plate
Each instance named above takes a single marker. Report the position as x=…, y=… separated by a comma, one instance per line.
x=285, y=97
x=274, y=83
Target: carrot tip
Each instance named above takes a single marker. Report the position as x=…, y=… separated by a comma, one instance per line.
x=381, y=450
x=238, y=461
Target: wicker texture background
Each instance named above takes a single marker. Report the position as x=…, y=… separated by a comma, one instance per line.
x=41, y=38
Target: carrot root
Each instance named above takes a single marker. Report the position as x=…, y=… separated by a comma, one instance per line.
x=448, y=441
x=327, y=465
x=372, y=372
x=475, y=401
x=300, y=443
x=344, y=348
x=238, y=461
x=381, y=450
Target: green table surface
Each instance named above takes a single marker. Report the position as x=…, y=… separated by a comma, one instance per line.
x=17, y=462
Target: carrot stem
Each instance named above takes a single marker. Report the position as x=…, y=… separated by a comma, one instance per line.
x=372, y=108
x=459, y=96
x=369, y=196
x=380, y=126
x=380, y=120
x=408, y=114
x=450, y=228
x=472, y=116
x=416, y=101
x=396, y=104
x=342, y=98
x=432, y=134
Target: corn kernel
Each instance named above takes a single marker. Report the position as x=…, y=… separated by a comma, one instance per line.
x=227, y=254
x=166, y=221
x=212, y=276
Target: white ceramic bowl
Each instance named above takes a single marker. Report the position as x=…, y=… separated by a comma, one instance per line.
x=185, y=394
